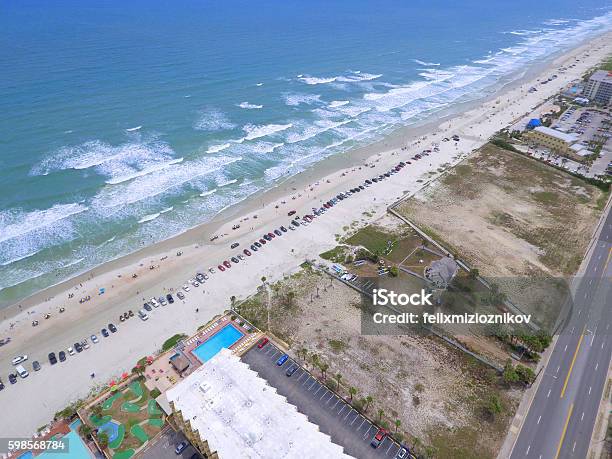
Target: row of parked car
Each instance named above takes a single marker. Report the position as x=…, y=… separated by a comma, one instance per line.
x=61, y=356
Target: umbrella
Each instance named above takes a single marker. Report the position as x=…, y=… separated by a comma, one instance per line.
x=124, y=375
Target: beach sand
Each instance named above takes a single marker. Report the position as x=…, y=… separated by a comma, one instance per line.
x=35, y=399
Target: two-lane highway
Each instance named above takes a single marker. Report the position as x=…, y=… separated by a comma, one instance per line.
x=562, y=415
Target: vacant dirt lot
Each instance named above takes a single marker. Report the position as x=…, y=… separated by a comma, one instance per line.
x=433, y=390
x=511, y=217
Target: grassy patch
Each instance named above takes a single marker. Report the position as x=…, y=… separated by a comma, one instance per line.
x=337, y=254
x=373, y=238
x=546, y=197
x=171, y=342
x=337, y=346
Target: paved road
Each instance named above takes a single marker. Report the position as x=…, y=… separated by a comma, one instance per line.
x=562, y=415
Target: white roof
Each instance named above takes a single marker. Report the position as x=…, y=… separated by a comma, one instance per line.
x=240, y=415
x=603, y=76
x=568, y=138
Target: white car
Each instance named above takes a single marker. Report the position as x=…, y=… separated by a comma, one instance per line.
x=20, y=358
x=154, y=302
x=211, y=270
x=186, y=287
x=162, y=301
x=85, y=344
x=94, y=339
x=71, y=351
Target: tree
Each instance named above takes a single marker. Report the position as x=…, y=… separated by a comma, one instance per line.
x=525, y=374
x=381, y=413
x=85, y=430
x=474, y=273
x=96, y=410
x=103, y=439
x=324, y=367
x=398, y=423
x=369, y=401
x=233, y=301
x=338, y=378
x=263, y=279
x=493, y=406
x=352, y=391
x=138, y=369
x=510, y=375
x=314, y=358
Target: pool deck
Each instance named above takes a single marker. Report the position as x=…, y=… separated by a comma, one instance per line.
x=162, y=375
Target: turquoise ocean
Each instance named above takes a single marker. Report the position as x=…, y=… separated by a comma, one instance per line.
x=124, y=123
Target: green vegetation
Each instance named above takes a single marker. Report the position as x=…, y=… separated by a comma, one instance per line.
x=337, y=346
x=546, y=197
x=337, y=254
x=502, y=143
x=374, y=239
x=171, y=342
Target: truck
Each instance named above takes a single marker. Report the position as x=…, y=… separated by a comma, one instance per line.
x=21, y=371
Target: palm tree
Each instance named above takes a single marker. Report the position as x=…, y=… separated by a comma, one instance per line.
x=338, y=378
x=233, y=301
x=315, y=359
x=397, y=424
x=381, y=413
x=352, y=391
x=324, y=367
x=369, y=400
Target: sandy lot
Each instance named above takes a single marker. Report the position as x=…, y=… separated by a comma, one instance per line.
x=511, y=217
x=434, y=391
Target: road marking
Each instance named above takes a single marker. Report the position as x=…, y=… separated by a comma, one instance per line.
x=347, y=415
x=579, y=311
x=582, y=417
x=366, y=434
x=596, y=366
x=574, y=447
x=390, y=446
x=590, y=390
x=565, y=347
x=335, y=404
x=591, y=281
x=539, y=417
x=320, y=387
x=324, y=394
x=306, y=380
x=356, y=417
x=364, y=420
x=602, y=345
x=527, y=452
x=548, y=395
x=341, y=409
x=569, y=414
x=569, y=373
x=558, y=368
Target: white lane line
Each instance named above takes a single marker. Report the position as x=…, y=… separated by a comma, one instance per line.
x=312, y=385
x=347, y=415
x=574, y=447
x=590, y=390
x=582, y=417
x=364, y=420
x=390, y=446
x=335, y=404
x=602, y=345
x=579, y=311
x=320, y=387
x=368, y=431
x=341, y=409
x=558, y=368
x=591, y=281
x=527, y=452
x=539, y=417
x=548, y=395
x=566, y=344
x=306, y=380
x=356, y=417
x=596, y=366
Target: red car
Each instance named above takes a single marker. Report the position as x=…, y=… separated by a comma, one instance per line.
x=292, y=212
x=220, y=268
x=378, y=438
x=271, y=235
x=262, y=241
x=227, y=264
x=262, y=343
x=247, y=252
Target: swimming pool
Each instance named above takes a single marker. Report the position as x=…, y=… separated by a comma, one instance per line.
x=76, y=448
x=224, y=338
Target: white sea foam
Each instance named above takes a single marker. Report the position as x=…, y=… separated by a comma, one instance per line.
x=145, y=171
x=19, y=258
x=256, y=132
x=319, y=127
x=264, y=147
x=357, y=77
x=249, y=106
x=293, y=100
x=218, y=148
x=15, y=223
x=226, y=183
x=556, y=22
x=315, y=80
x=420, y=62
x=208, y=193
x=259, y=84
x=338, y=103
x=137, y=128
x=213, y=120
x=166, y=210
x=148, y=218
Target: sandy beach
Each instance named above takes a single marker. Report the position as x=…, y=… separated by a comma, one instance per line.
x=159, y=270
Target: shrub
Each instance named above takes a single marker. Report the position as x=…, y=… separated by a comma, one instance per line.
x=171, y=342
x=155, y=393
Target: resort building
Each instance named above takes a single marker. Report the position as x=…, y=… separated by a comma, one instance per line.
x=555, y=141
x=227, y=411
x=599, y=87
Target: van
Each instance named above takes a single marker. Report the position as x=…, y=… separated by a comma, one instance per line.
x=143, y=315
x=21, y=371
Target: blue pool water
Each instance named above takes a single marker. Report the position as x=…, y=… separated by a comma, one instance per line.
x=223, y=339
x=77, y=449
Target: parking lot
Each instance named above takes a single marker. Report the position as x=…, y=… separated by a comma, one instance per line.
x=164, y=445
x=339, y=420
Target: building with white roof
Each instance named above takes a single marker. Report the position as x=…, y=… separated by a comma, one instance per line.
x=599, y=87
x=227, y=411
x=554, y=140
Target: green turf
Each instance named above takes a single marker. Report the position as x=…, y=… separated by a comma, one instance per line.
x=117, y=441
x=99, y=421
x=139, y=433
x=136, y=389
x=130, y=407
x=107, y=404
x=152, y=408
x=126, y=454
x=156, y=422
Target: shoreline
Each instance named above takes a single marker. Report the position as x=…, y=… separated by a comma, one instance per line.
x=327, y=166
x=41, y=397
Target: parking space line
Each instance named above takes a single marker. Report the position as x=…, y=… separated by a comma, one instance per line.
x=349, y=413
x=335, y=403
x=306, y=380
x=341, y=409
x=356, y=417
x=367, y=432
x=359, y=428
x=312, y=385
x=324, y=394
x=330, y=397
x=320, y=387
x=303, y=373
x=390, y=446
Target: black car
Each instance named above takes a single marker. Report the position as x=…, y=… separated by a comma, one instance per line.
x=78, y=347
x=277, y=232
x=257, y=244
x=291, y=370
x=1, y=385
x=375, y=180
x=62, y=356
x=267, y=238
x=294, y=223
x=283, y=229
x=52, y=358
x=254, y=248
x=169, y=298
x=112, y=328
x=235, y=260
x=234, y=245
x=147, y=306
x=104, y=332
x=35, y=365
x=12, y=378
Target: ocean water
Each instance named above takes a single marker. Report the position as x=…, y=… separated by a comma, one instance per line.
x=124, y=123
